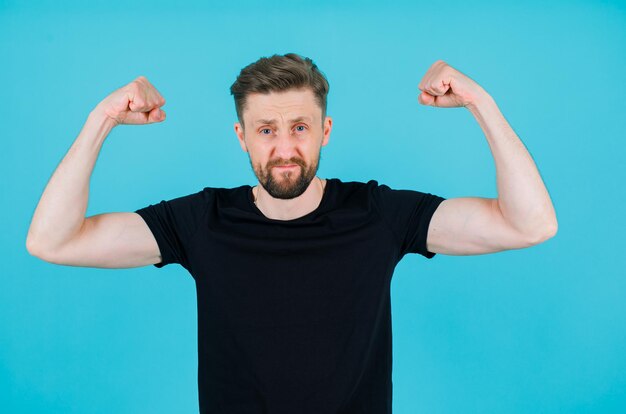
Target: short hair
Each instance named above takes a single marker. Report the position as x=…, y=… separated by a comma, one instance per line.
x=279, y=73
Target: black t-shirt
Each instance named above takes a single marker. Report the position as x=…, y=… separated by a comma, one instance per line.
x=293, y=316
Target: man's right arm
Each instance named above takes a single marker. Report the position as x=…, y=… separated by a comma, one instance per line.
x=59, y=232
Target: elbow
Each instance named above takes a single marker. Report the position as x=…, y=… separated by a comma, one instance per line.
x=37, y=252
x=551, y=227
x=32, y=248
x=543, y=233
x=549, y=232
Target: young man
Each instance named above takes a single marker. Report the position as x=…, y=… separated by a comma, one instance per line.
x=292, y=275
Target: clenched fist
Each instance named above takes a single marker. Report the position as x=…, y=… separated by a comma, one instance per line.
x=445, y=87
x=136, y=103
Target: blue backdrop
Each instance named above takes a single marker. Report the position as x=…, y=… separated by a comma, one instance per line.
x=534, y=330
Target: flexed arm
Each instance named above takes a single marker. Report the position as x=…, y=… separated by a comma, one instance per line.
x=522, y=215
x=59, y=231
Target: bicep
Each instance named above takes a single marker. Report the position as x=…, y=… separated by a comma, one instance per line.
x=470, y=226
x=110, y=240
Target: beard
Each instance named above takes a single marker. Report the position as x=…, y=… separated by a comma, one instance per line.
x=286, y=184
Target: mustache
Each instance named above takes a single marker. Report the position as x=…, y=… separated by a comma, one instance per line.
x=280, y=162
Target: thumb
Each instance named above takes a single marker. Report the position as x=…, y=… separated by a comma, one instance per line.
x=426, y=99
x=156, y=115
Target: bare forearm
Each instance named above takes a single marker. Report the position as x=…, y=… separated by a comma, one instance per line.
x=522, y=196
x=61, y=210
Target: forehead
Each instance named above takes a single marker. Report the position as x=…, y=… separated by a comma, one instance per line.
x=281, y=106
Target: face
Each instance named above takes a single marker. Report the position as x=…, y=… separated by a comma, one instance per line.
x=283, y=136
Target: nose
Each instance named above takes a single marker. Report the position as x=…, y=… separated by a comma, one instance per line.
x=286, y=144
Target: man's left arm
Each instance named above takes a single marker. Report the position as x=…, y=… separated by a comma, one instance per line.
x=522, y=215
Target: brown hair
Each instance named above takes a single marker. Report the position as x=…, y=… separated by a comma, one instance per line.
x=279, y=73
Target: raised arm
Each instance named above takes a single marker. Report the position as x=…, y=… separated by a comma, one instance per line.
x=522, y=215
x=59, y=231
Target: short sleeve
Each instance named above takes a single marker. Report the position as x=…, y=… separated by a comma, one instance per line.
x=408, y=213
x=174, y=223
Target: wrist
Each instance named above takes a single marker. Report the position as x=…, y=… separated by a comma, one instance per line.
x=98, y=117
x=481, y=102
x=98, y=125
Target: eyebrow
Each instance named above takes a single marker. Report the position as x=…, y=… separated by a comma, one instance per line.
x=273, y=121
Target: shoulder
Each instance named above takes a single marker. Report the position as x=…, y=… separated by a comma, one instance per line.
x=352, y=186
x=347, y=191
x=370, y=188
x=204, y=198
x=229, y=197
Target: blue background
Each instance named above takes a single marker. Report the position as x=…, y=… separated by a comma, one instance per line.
x=534, y=330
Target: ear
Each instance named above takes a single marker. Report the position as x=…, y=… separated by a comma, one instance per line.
x=328, y=126
x=240, y=136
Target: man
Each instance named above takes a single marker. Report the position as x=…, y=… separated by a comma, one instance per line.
x=292, y=275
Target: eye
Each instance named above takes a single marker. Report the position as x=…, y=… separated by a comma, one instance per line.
x=300, y=126
x=265, y=129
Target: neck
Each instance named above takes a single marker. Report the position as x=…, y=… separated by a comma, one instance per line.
x=278, y=209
